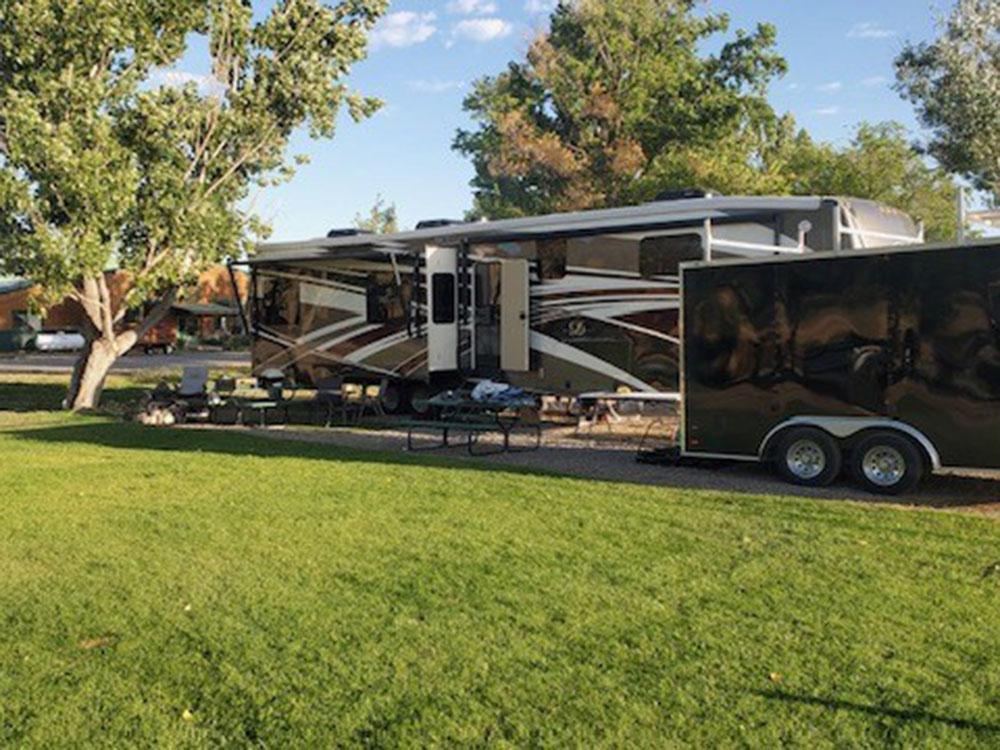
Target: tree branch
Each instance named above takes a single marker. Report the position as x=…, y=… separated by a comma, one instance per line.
x=159, y=311
x=89, y=300
x=107, y=318
x=243, y=159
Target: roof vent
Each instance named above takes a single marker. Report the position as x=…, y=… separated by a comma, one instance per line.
x=683, y=195
x=344, y=232
x=435, y=223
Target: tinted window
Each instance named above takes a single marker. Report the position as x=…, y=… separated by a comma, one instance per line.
x=551, y=259
x=662, y=256
x=385, y=300
x=278, y=300
x=443, y=298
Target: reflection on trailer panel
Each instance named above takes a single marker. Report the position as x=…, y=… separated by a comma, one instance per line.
x=909, y=335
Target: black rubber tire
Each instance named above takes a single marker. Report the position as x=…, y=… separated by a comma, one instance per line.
x=832, y=456
x=915, y=464
x=418, y=395
x=393, y=398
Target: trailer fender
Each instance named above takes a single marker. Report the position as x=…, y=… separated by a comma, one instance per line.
x=847, y=427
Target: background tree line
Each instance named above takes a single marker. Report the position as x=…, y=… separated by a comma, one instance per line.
x=615, y=104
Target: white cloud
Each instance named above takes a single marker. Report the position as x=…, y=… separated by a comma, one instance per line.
x=468, y=7
x=403, y=29
x=538, y=7
x=874, y=81
x=826, y=111
x=435, y=86
x=208, y=85
x=830, y=87
x=869, y=30
x=481, y=29
x=794, y=86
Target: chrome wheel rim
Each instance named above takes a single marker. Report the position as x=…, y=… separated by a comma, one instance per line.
x=883, y=465
x=805, y=459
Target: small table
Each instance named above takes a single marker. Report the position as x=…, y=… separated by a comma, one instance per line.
x=262, y=407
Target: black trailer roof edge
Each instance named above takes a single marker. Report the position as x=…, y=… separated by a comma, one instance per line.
x=786, y=257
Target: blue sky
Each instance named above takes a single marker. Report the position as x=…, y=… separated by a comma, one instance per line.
x=426, y=52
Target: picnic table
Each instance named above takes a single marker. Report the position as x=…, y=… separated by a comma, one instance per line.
x=459, y=412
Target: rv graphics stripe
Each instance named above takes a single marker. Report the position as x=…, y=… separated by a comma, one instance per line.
x=560, y=350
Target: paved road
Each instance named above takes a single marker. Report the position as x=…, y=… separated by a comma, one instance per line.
x=137, y=362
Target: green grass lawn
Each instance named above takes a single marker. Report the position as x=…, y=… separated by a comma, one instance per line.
x=190, y=588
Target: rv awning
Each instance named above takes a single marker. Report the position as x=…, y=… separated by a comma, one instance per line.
x=608, y=220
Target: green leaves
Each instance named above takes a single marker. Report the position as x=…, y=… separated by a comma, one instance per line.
x=102, y=164
x=612, y=103
x=955, y=84
x=617, y=104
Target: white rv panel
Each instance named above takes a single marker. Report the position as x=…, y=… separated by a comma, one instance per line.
x=514, y=335
x=442, y=308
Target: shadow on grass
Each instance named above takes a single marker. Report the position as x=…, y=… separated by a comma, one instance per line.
x=239, y=443
x=25, y=397
x=903, y=714
x=582, y=462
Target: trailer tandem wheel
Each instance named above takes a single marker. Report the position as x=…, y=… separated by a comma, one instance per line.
x=808, y=456
x=887, y=463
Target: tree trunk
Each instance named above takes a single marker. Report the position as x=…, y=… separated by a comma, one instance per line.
x=89, y=375
x=105, y=345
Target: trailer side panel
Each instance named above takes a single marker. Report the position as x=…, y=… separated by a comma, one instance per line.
x=902, y=335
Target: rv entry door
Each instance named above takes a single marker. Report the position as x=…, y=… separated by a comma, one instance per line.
x=442, y=313
x=514, y=315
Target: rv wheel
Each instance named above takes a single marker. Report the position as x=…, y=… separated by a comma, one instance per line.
x=808, y=456
x=419, y=396
x=392, y=397
x=887, y=463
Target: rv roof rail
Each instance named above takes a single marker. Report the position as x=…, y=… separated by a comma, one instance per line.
x=684, y=194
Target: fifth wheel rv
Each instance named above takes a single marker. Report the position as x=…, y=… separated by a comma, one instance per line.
x=559, y=304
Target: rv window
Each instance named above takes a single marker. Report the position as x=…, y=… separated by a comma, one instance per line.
x=662, y=256
x=377, y=301
x=443, y=298
x=551, y=259
x=278, y=301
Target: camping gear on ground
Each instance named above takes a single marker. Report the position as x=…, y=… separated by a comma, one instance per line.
x=223, y=404
x=189, y=400
x=488, y=390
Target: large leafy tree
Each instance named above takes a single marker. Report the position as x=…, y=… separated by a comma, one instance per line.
x=955, y=84
x=615, y=101
x=616, y=104
x=100, y=169
x=879, y=163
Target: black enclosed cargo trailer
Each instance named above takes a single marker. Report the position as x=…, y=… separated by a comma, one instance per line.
x=884, y=363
